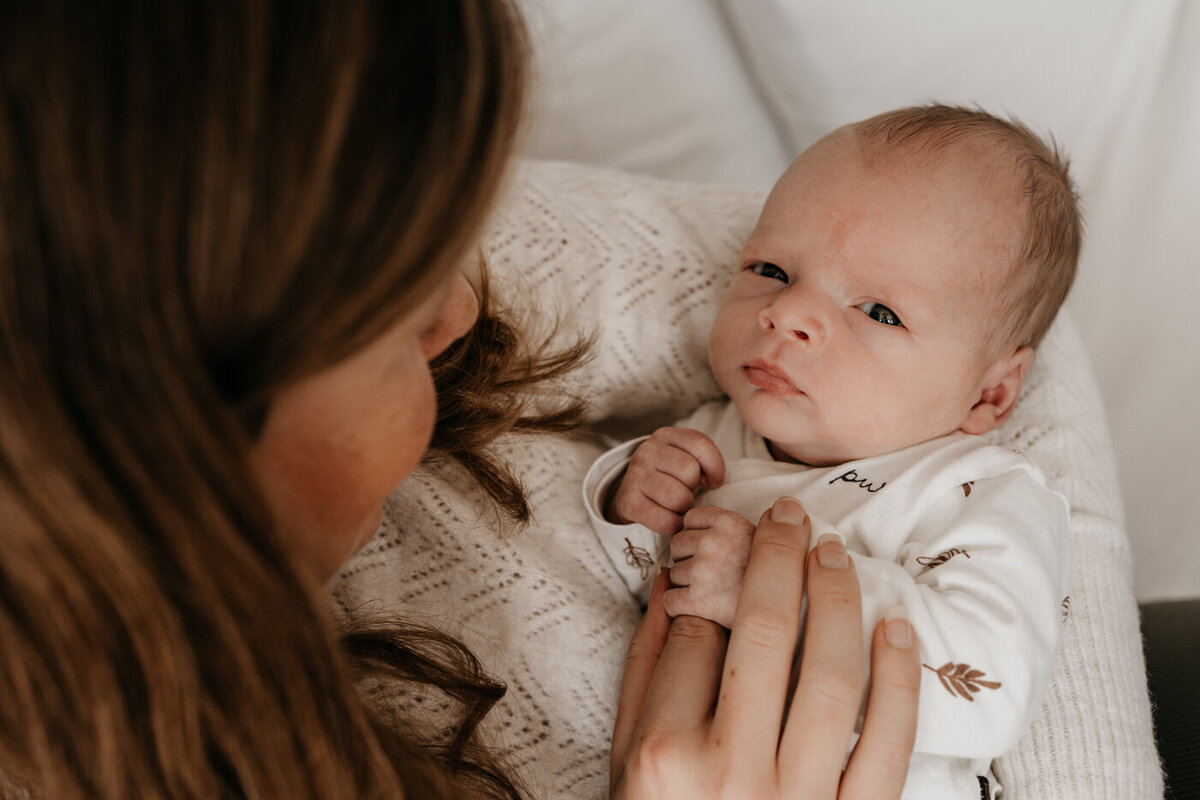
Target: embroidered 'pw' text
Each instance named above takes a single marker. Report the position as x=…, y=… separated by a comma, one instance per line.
x=852, y=477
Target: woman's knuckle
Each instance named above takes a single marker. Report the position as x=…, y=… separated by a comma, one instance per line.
x=694, y=631
x=639, y=649
x=767, y=628
x=838, y=690
x=772, y=547
x=837, y=596
x=657, y=747
x=656, y=758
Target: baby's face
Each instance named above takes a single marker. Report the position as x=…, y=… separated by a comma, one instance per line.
x=858, y=321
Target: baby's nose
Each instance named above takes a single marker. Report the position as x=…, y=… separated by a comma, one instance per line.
x=792, y=317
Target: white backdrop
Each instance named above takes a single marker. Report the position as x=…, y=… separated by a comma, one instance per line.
x=730, y=90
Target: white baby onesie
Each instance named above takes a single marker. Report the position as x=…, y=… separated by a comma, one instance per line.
x=962, y=533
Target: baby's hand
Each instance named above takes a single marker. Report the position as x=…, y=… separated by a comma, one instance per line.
x=662, y=476
x=710, y=553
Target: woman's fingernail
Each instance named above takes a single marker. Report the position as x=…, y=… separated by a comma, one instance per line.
x=788, y=510
x=831, y=552
x=896, y=628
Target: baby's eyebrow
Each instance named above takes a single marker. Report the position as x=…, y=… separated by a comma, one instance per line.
x=771, y=241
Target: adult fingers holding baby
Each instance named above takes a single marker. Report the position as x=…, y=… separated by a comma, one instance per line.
x=663, y=473
x=700, y=716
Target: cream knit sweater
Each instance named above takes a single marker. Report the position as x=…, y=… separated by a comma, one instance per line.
x=645, y=262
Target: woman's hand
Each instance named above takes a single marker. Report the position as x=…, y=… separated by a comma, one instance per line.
x=697, y=719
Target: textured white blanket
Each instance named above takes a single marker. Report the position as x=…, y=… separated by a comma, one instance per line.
x=645, y=262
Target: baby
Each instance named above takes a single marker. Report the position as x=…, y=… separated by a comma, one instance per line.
x=882, y=320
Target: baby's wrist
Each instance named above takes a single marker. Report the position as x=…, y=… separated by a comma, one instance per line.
x=608, y=504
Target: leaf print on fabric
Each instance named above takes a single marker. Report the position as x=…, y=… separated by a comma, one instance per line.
x=966, y=487
x=638, y=557
x=962, y=681
x=929, y=562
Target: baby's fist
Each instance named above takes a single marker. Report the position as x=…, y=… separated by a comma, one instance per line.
x=665, y=471
x=710, y=555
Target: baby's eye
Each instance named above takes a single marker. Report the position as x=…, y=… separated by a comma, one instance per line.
x=768, y=270
x=881, y=314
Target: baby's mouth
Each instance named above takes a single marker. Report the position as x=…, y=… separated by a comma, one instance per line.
x=769, y=378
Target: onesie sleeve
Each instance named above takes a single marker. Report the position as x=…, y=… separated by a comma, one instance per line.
x=983, y=578
x=635, y=550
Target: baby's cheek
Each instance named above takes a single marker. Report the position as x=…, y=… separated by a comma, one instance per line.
x=723, y=349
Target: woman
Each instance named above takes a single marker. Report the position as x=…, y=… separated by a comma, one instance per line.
x=232, y=238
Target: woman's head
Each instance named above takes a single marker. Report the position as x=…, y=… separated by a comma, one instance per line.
x=204, y=209
x=335, y=443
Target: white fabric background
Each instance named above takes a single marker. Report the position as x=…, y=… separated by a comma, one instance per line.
x=729, y=90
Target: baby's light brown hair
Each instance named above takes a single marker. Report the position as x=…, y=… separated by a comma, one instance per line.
x=1045, y=269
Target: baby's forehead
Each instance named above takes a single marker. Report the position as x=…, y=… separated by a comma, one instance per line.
x=976, y=177
x=991, y=159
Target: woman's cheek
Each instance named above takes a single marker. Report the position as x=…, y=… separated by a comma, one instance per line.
x=413, y=430
x=335, y=447
x=391, y=441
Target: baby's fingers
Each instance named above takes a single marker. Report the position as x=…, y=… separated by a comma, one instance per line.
x=686, y=543
x=687, y=454
x=701, y=601
x=637, y=502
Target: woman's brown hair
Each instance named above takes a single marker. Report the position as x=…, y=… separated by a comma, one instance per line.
x=201, y=202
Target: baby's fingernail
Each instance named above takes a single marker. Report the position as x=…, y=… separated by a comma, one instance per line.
x=896, y=628
x=831, y=552
x=789, y=510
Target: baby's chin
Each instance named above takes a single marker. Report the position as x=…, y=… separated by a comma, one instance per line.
x=783, y=445
x=785, y=439
x=808, y=456
x=795, y=444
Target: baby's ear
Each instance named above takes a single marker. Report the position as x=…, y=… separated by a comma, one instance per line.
x=998, y=397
